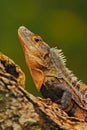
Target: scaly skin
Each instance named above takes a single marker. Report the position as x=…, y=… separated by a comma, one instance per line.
x=51, y=76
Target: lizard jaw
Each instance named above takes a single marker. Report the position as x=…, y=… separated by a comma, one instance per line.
x=24, y=36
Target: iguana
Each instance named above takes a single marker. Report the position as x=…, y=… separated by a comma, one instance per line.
x=51, y=76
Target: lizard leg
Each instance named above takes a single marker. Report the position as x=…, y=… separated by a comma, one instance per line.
x=57, y=93
x=66, y=97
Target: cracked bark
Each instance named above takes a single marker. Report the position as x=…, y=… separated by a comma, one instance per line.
x=20, y=110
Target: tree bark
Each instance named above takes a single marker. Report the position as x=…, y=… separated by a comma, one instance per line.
x=20, y=110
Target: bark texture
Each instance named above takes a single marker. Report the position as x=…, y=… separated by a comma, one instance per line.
x=20, y=110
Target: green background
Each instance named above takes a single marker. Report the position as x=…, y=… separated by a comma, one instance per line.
x=61, y=23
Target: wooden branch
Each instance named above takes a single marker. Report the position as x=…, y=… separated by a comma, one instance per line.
x=20, y=110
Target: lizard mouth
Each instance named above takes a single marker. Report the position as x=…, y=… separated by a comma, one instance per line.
x=24, y=35
x=25, y=31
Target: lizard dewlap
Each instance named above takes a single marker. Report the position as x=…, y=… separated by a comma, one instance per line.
x=51, y=76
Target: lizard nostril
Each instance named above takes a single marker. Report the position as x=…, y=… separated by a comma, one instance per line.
x=86, y=118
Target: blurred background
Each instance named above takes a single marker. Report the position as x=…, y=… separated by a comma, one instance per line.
x=61, y=23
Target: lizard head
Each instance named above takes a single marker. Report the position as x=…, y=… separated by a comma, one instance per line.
x=36, y=51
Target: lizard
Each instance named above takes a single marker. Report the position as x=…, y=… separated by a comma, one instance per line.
x=51, y=76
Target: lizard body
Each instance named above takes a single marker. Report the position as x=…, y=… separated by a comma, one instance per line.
x=51, y=76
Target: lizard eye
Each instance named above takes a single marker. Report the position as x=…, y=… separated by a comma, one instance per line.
x=36, y=39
